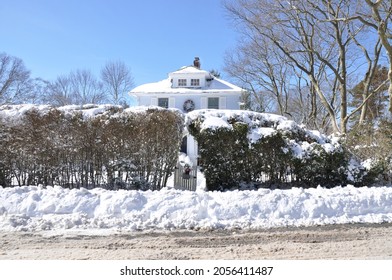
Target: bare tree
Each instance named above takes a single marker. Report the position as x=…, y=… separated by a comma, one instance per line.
x=78, y=87
x=291, y=30
x=15, y=82
x=38, y=92
x=274, y=85
x=315, y=38
x=117, y=81
x=236, y=67
x=86, y=88
x=374, y=76
x=378, y=16
x=259, y=67
x=60, y=92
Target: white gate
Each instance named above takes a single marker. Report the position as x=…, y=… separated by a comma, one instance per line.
x=185, y=178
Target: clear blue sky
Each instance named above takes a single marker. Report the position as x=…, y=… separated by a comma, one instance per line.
x=152, y=37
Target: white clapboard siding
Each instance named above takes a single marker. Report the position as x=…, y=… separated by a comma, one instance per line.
x=172, y=102
x=203, y=103
x=154, y=101
x=222, y=102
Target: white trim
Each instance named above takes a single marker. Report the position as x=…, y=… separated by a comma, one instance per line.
x=154, y=101
x=172, y=102
x=222, y=102
x=203, y=102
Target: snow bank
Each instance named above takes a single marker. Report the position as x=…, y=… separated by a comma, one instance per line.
x=55, y=208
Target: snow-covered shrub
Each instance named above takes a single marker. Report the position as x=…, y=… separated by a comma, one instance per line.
x=321, y=167
x=89, y=146
x=247, y=148
x=218, y=149
x=270, y=158
x=372, y=144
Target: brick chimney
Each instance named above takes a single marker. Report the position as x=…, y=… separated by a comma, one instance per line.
x=196, y=62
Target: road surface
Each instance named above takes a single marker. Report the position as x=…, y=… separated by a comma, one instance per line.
x=357, y=241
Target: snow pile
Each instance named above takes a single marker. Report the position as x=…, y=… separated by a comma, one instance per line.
x=59, y=209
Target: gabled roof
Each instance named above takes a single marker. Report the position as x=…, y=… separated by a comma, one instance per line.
x=215, y=85
x=189, y=70
x=165, y=86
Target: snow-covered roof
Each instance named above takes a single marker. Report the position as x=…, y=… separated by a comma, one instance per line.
x=213, y=85
x=190, y=70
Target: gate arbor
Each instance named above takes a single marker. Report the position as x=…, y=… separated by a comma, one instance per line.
x=185, y=178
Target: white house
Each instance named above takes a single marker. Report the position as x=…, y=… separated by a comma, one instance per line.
x=187, y=89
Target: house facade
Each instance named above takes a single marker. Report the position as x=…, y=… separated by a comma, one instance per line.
x=189, y=88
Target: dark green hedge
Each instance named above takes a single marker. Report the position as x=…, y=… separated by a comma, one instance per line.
x=230, y=160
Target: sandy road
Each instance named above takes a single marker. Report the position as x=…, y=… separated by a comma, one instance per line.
x=323, y=242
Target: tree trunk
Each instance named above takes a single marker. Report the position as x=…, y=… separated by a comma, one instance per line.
x=390, y=85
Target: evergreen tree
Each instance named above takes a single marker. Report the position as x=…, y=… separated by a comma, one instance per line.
x=378, y=102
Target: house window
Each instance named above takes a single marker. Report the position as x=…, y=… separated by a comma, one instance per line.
x=213, y=103
x=195, y=82
x=182, y=82
x=163, y=102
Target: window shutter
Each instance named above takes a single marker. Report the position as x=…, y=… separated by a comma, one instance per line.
x=154, y=101
x=172, y=102
x=222, y=102
x=203, y=102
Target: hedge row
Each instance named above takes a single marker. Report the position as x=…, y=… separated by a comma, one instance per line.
x=283, y=153
x=114, y=148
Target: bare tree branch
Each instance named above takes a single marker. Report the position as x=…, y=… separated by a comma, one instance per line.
x=15, y=82
x=117, y=80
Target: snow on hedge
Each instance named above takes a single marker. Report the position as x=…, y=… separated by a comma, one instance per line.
x=59, y=209
x=88, y=146
x=263, y=125
x=15, y=112
x=244, y=148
